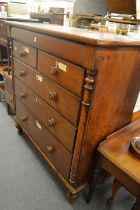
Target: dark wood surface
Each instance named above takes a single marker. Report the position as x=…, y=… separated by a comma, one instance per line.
x=71, y=51
x=116, y=150
x=122, y=7
x=64, y=73
x=44, y=87
x=55, y=151
x=109, y=88
x=25, y=53
x=118, y=160
x=80, y=35
x=62, y=129
x=114, y=98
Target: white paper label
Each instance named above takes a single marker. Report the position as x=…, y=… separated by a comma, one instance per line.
x=35, y=39
x=38, y=125
x=38, y=101
x=15, y=48
x=39, y=78
x=61, y=66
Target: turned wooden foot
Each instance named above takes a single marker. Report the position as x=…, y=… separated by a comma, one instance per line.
x=115, y=187
x=72, y=197
x=137, y=204
x=20, y=131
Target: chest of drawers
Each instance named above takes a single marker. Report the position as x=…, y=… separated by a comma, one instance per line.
x=73, y=88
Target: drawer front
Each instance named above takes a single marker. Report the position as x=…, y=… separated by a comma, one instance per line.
x=8, y=83
x=54, y=150
x=25, y=53
x=69, y=50
x=55, y=123
x=66, y=74
x=61, y=100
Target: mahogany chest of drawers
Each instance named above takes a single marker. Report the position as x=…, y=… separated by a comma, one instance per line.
x=73, y=87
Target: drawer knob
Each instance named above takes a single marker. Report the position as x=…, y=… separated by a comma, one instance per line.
x=21, y=73
x=51, y=122
x=23, y=53
x=24, y=118
x=50, y=148
x=22, y=95
x=53, y=96
x=54, y=71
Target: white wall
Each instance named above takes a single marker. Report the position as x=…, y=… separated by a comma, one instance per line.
x=91, y=6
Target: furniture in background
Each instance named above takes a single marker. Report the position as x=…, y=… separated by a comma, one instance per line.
x=54, y=16
x=71, y=92
x=116, y=158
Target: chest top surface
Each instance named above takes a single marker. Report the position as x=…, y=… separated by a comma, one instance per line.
x=84, y=36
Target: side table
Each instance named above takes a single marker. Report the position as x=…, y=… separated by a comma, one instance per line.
x=114, y=156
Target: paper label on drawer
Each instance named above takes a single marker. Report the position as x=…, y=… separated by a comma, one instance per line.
x=26, y=49
x=35, y=39
x=15, y=48
x=38, y=125
x=39, y=78
x=61, y=66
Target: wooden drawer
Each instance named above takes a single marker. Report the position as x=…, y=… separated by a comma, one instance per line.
x=76, y=53
x=8, y=82
x=55, y=151
x=66, y=74
x=61, y=100
x=55, y=123
x=25, y=53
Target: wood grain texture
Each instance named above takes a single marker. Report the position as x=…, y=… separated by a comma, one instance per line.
x=44, y=87
x=116, y=91
x=119, y=161
x=62, y=129
x=60, y=157
x=75, y=34
x=25, y=53
x=64, y=73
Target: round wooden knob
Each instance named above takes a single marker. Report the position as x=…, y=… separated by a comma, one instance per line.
x=22, y=95
x=24, y=118
x=53, y=96
x=22, y=54
x=54, y=71
x=22, y=73
x=51, y=122
x=50, y=148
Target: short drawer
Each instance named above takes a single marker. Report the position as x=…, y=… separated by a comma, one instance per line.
x=8, y=82
x=25, y=53
x=55, y=123
x=57, y=97
x=54, y=150
x=64, y=73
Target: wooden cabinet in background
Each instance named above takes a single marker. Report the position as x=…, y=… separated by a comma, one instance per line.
x=73, y=88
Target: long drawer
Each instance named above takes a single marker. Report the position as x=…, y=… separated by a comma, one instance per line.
x=55, y=123
x=57, y=97
x=54, y=150
x=25, y=53
x=69, y=50
x=64, y=73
